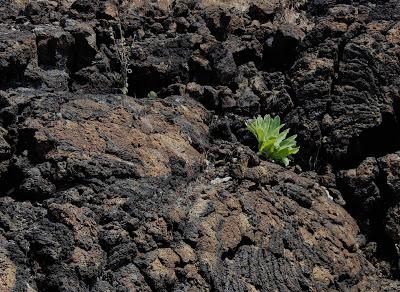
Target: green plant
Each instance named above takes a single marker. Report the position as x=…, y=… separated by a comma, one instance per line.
x=152, y=94
x=272, y=143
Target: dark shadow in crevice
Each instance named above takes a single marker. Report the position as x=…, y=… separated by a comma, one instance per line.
x=374, y=142
x=336, y=65
x=220, y=31
x=280, y=53
x=230, y=254
x=372, y=222
x=10, y=181
x=36, y=152
x=246, y=56
x=386, y=247
x=28, y=152
x=143, y=80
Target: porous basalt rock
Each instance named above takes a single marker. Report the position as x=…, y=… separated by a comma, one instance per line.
x=104, y=187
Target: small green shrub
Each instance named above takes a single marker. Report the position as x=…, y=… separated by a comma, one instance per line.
x=272, y=143
x=152, y=94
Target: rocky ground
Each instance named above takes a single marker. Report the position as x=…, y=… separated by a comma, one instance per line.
x=103, y=188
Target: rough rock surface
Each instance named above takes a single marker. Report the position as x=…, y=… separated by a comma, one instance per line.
x=105, y=189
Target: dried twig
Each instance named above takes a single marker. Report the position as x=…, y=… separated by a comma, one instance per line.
x=123, y=55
